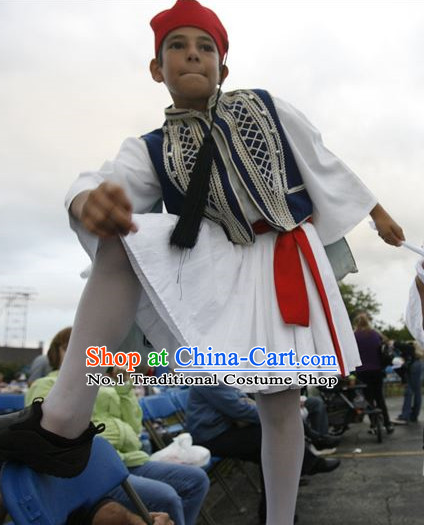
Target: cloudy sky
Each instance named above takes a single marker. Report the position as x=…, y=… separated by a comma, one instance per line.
x=75, y=82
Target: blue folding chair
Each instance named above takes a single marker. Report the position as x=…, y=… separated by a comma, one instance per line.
x=161, y=370
x=39, y=499
x=179, y=397
x=160, y=406
x=11, y=402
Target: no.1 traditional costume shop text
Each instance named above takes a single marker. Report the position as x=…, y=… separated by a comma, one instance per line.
x=189, y=360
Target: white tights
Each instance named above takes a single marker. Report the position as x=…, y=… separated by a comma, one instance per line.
x=282, y=453
x=104, y=317
x=105, y=314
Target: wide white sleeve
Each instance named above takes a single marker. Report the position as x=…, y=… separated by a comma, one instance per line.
x=340, y=199
x=133, y=170
x=414, y=311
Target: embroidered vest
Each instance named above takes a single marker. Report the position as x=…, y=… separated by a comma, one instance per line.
x=247, y=127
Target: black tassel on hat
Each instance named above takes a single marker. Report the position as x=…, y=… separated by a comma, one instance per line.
x=187, y=228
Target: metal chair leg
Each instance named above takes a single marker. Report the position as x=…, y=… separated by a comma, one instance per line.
x=227, y=491
x=135, y=499
x=207, y=518
x=249, y=477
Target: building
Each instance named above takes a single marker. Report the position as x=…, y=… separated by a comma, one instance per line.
x=18, y=355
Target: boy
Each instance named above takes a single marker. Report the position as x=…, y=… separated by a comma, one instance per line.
x=257, y=273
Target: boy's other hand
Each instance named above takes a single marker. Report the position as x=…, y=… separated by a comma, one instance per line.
x=390, y=232
x=387, y=228
x=105, y=211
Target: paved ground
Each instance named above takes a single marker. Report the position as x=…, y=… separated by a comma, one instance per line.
x=380, y=485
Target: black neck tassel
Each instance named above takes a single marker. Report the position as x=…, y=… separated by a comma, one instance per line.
x=187, y=228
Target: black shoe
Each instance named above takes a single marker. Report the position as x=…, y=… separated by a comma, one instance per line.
x=22, y=439
x=324, y=465
x=326, y=441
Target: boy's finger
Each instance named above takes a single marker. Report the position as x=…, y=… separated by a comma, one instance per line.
x=134, y=227
x=109, y=222
x=392, y=240
x=119, y=197
x=122, y=219
x=99, y=219
x=398, y=232
x=106, y=196
x=103, y=230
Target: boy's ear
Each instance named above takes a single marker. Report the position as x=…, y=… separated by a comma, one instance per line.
x=156, y=70
x=224, y=72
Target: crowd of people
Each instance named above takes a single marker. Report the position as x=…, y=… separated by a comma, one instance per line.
x=221, y=418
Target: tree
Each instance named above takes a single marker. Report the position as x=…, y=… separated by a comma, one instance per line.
x=357, y=300
x=397, y=334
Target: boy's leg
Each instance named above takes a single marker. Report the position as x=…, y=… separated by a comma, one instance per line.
x=104, y=317
x=282, y=452
x=61, y=445
x=317, y=414
x=241, y=443
x=407, y=401
x=190, y=483
x=379, y=398
x=156, y=495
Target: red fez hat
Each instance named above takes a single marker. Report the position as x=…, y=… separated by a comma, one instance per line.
x=191, y=14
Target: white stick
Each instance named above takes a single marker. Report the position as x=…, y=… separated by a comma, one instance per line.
x=405, y=244
x=413, y=248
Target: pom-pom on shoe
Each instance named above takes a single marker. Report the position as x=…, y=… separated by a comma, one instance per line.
x=22, y=439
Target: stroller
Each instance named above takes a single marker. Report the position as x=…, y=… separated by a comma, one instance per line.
x=346, y=404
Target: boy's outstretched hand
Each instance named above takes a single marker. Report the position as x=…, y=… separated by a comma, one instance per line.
x=105, y=211
x=387, y=228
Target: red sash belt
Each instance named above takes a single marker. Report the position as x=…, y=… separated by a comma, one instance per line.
x=289, y=280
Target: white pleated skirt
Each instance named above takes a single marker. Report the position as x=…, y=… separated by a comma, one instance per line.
x=222, y=295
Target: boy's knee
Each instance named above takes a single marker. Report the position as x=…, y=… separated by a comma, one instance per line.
x=201, y=482
x=171, y=502
x=194, y=483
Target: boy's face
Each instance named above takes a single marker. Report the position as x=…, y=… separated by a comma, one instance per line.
x=189, y=67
